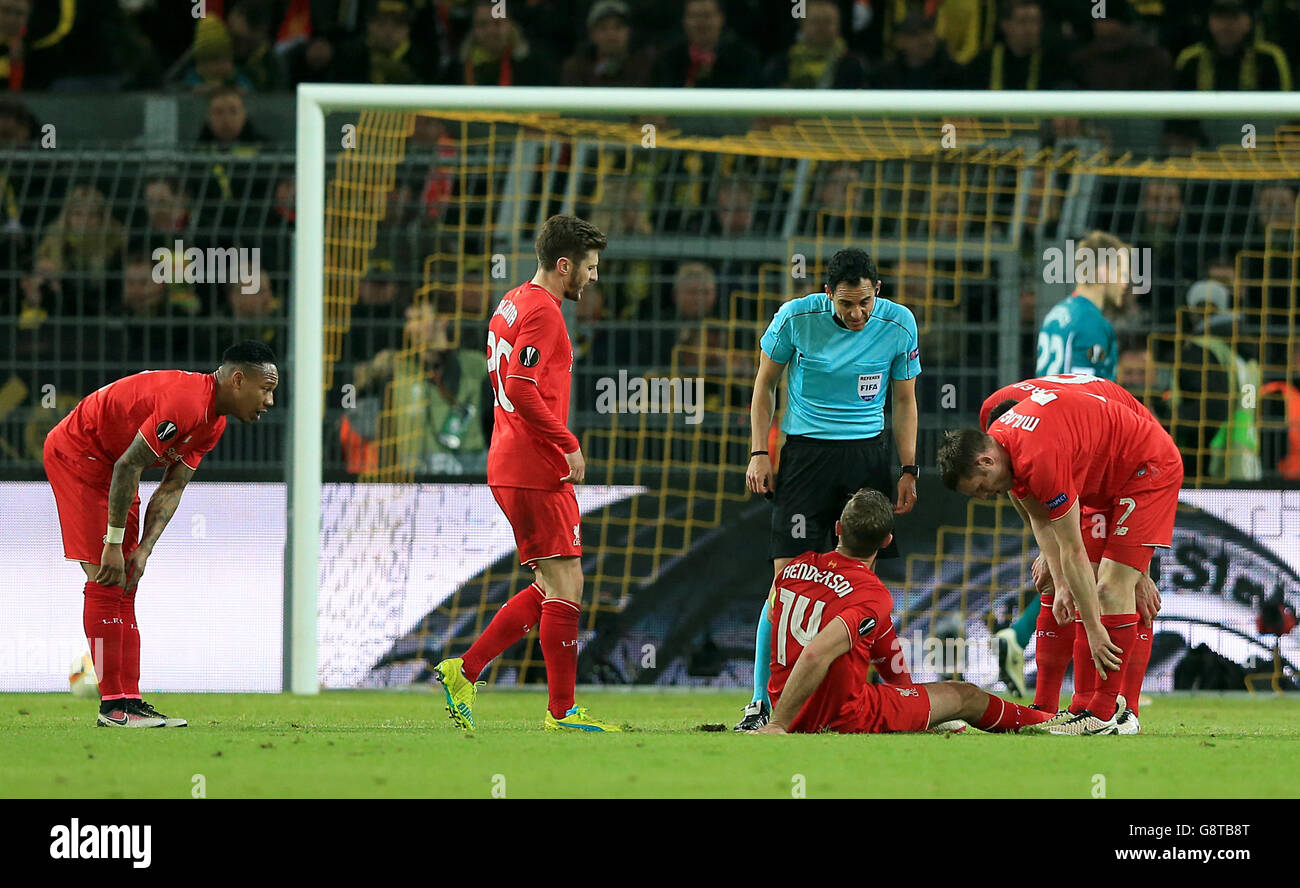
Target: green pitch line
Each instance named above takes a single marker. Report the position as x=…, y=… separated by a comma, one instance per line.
x=376, y=744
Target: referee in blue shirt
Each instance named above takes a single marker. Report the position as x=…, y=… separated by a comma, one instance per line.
x=845, y=347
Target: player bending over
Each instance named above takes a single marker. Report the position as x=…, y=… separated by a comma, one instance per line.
x=1058, y=635
x=1058, y=451
x=828, y=613
x=533, y=463
x=94, y=458
x=1076, y=337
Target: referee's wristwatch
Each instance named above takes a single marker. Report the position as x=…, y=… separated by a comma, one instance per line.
x=914, y=471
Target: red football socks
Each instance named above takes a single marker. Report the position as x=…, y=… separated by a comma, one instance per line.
x=1085, y=671
x=1136, y=670
x=1123, y=633
x=1053, y=648
x=101, y=619
x=559, y=634
x=130, y=648
x=1003, y=715
x=887, y=657
x=522, y=612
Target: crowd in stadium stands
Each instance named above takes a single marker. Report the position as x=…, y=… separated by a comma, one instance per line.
x=271, y=45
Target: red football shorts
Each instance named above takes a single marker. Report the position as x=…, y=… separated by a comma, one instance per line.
x=546, y=523
x=1142, y=517
x=892, y=709
x=81, y=495
x=1092, y=524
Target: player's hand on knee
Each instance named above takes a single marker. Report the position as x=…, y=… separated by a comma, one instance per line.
x=1105, y=653
x=135, y=567
x=1042, y=575
x=577, y=467
x=758, y=477
x=1063, y=608
x=1148, y=600
x=112, y=567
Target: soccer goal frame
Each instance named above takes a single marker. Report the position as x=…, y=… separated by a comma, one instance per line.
x=307, y=315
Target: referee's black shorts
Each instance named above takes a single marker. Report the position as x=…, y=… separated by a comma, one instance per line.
x=816, y=478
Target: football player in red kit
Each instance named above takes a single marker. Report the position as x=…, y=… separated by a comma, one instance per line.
x=533, y=463
x=1064, y=448
x=1057, y=638
x=93, y=459
x=831, y=621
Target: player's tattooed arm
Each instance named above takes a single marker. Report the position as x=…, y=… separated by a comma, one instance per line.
x=126, y=479
x=163, y=503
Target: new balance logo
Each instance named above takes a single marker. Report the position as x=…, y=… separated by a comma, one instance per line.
x=908, y=692
x=91, y=842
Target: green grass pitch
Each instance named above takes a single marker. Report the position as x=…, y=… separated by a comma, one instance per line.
x=379, y=744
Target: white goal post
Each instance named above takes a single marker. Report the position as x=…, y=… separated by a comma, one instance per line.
x=307, y=313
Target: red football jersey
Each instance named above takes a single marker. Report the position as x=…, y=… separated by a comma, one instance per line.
x=527, y=341
x=1073, y=444
x=175, y=411
x=1018, y=391
x=811, y=592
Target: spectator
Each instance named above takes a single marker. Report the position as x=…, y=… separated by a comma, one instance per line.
x=621, y=207
x=694, y=299
x=497, y=53
x=1160, y=208
x=1136, y=372
x=213, y=65
x=1275, y=206
x=76, y=254
x=1215, y=428
x=14, y=16
x=707, y=55
x=837, y=200
x=140, y=330
x=1020, y=59
x=733, y=209
x=1119, y=56
x=255, y=57
x=227, y=124
x=1232, y=59
x=920, y=60
x=606, y=59
x=965, y=26
x=386, y=53
x=169, y=266
x=441, y=399
x=166, y=214
x=819, y=59
x=255, y=312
